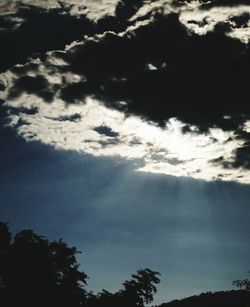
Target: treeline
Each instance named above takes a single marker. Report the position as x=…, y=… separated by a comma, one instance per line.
x=35, y=272
x=233, y=298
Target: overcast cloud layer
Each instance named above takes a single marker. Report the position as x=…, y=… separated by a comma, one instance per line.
x=164, y=83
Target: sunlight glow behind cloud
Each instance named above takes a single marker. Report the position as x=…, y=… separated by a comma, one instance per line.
x=94, y=129
x=91, y=126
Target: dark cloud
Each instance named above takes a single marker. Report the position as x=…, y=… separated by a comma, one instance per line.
x=205, y=71
x=33, y=30
x=241, y=20
x=2, y=86
x=196, y=78
x=72, y=118
x=212, y=3
x=241, y=156
x=30, y=111
x=106, y=131
x=160, y=69
x=37, y=85
x=202, y=80
x=124, y=10
x=73, y=92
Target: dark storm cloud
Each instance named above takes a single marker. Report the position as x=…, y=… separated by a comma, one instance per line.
x=33, y=30
x=159, y=68
x=163, y=70
x=242, y=154
x=37, y=85
x=74, y=92
x=241, y=20
x=2, y=86
x=207, y=71
x=72, y=118
x=106, y=131
x=196, y=78
x=124, y=10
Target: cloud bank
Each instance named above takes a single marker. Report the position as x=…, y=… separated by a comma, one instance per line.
x=161, y=82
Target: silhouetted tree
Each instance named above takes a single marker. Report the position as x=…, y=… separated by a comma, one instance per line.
x=141, y=288
x=135, y=292
x=104, y=299
x=235, y=298
x=242, y=283
x=36, y=272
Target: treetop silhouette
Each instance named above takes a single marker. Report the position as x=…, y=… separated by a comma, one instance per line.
x=243, y=284
x=37, y=272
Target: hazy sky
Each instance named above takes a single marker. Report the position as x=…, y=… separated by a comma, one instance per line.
x=195, y=233
x=129, y=139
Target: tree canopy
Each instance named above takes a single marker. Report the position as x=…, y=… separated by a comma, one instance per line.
x=136, y=292
x=37, y=272
x=243, y=284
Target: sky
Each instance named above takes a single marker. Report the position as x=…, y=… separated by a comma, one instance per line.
x=125, y=131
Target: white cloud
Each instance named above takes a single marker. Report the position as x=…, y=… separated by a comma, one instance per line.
x=94, y=8
x=159, y=150
x=246, y=126
x=202, y=21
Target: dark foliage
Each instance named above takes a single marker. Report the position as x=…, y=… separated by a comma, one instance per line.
x=135, y=292
x=36, y=272
x=217, y=299
x=243, y=283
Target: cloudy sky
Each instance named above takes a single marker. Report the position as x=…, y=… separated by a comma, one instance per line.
x=125, y=130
